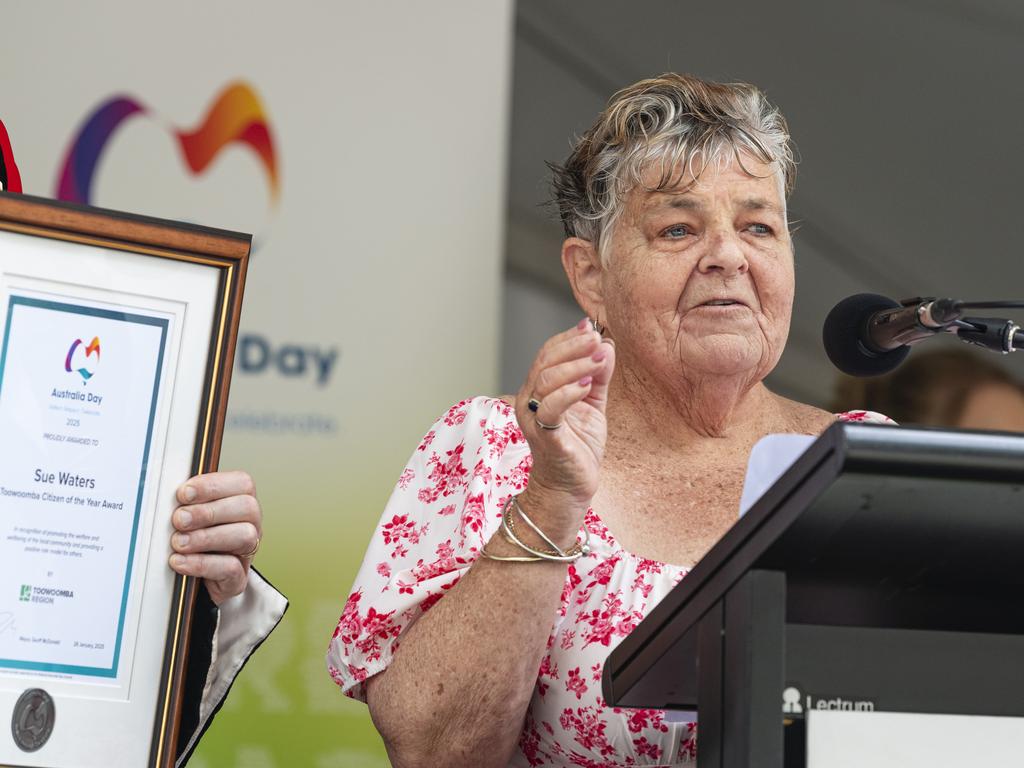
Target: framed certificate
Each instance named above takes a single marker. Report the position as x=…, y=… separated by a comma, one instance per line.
x=117, y=337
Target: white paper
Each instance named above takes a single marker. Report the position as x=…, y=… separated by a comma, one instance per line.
x=770, y=457
x=907, y=740
x=79, y=386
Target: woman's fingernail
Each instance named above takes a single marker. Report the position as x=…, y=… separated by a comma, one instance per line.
x=583, y=324
x=189, y=493
x=177, y=560
x=585, y=381
x=184, y=518
x=600, y=355
x=181, y=539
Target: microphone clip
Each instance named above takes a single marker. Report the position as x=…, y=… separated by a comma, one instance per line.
x=934, y=313
x=993, y=333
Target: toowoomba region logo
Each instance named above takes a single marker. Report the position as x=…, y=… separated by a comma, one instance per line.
x=78, y=362
x=31, y=594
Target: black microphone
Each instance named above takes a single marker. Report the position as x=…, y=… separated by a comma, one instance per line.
x=868, y=334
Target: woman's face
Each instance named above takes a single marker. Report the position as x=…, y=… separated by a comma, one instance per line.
x=700, y=278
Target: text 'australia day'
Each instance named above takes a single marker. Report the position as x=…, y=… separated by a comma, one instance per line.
x=70, y=394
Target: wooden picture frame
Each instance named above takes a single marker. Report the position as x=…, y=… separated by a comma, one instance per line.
x=60, y=263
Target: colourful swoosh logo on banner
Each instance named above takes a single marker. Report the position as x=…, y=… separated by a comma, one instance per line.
x=236, y=117
x=93, y=348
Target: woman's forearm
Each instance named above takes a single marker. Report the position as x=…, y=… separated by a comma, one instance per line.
x=457, y=689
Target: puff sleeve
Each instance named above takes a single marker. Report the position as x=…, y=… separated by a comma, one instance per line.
x=865, y=417
x=445, y=507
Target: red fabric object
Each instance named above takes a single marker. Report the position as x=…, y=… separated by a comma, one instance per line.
x=8, y=168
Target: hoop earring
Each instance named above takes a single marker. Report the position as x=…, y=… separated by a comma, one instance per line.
x=597, y=327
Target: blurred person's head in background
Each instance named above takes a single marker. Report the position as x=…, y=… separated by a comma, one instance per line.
x=943, y=388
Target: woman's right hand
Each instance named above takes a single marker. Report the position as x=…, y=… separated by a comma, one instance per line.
x=570, y=378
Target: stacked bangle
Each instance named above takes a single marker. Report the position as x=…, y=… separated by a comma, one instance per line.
x=555, y=553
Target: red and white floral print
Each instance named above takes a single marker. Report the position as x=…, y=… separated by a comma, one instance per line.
x=575, y=683
x=407, y=477
x=447, y=504
x=447, y=474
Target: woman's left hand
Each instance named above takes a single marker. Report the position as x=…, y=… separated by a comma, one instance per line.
x=217, y=530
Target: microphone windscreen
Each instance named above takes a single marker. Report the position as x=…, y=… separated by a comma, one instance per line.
x=845, y=330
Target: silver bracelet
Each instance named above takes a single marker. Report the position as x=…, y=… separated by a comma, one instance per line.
x=504, y=559
x=536, y=529
x=556, y=554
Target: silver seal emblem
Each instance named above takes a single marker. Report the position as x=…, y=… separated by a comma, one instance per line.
x=32, y=722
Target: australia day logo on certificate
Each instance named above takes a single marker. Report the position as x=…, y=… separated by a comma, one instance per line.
x=76, y=361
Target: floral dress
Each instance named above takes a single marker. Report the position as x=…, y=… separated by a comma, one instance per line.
x=446, y=506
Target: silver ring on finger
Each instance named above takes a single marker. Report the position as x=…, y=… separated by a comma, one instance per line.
x=542, y=425
x=533, y=404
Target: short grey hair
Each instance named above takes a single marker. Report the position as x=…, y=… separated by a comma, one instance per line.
x=679, y=122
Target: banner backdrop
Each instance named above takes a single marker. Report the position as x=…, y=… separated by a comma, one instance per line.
x=364, y=146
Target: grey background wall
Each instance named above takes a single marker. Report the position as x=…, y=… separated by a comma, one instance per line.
x=908, y=116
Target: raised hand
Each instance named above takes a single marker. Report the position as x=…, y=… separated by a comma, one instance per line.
x=567, y=387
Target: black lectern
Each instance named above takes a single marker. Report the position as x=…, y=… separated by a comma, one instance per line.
x=884, y=571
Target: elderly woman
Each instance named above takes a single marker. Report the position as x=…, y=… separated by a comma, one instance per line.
x=529, y=535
